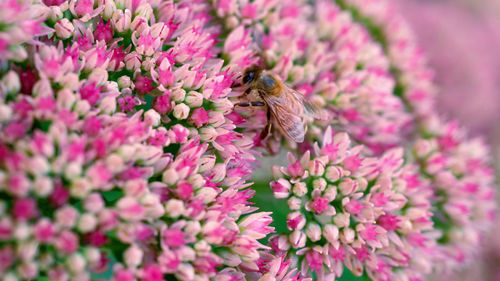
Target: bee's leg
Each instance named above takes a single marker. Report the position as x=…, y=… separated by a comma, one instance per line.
x=252, y=103
x=267, y=129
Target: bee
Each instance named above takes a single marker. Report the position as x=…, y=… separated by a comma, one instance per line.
x=284, y=105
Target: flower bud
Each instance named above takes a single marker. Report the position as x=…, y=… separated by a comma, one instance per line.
x=348, y=186
x=109, y=9
x=181, y=111
x=341, y=219
x=121, y=20
x=133, y=256
x=108, y=104
x=159, y=30
x=178, y=94
x=152, y=118
x=300, y=189
x=319, y=184
x=64, y=28
x=223, y=105
x=297, y=239
x=194, y=99
x=76, y=263
x=98, y=76
x=5, y=112
x=313, y=231
x=208, y=134
x=207, y=162
x=174, y=208
x=93, y=203
x=347, y=235
x=55, y=13
x=281, y=188
x=144, y=10
x=316, y=167
x=294, y=203
x=11, y=82
x=331, y=233
x=124, y=82
x=333, y=173
x=132, y=61
x=87, y=223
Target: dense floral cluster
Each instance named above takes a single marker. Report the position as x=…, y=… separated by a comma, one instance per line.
x=365, y=213
x=122, y=155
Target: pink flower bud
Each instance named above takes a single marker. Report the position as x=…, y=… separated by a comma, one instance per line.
x=93, y=203
x=64, y=28
x=121, y=20
x=174, y=208
x=316, y=167
x=130, y=209
x=109, y=9
x=341, y=219
x=281, y=188
x=331, y=233
x=76, y=263
x=348, y=186
x=181, y=111
x=297, y=239
x=208, y=134
x=295, y=221
x=66, y=216
x=347, y=235
x=178, y=95
x=144, y=10
x=333, y=173
x=294, y=203
x=152, y=118
x=124, y=82
x=87, y=223
x=98, y=76
x=223, y=105
x=313, y=232
x=194, y=99
x=132, y=61
x=319, y=184
x=133, y=256
x=11, y=82
x=207, y=162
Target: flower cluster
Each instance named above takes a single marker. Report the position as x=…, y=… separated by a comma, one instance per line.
x=319, y=51
x=367, y=214
x=456, y=166
x=122, y=155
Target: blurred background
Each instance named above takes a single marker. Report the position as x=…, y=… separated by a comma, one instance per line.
x=462, y=41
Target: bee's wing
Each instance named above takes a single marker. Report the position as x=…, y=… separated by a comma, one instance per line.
x=287, y=109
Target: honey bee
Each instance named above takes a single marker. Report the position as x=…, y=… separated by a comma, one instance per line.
x=285, y=106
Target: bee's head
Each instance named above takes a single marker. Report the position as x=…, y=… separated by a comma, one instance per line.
x=250, y=74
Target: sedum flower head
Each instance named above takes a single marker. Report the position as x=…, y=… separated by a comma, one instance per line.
x=350, y=210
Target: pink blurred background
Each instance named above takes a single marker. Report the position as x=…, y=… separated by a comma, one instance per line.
x=462, y=42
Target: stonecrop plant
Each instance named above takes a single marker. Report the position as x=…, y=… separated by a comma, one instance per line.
x=123, y=157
